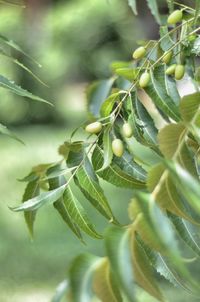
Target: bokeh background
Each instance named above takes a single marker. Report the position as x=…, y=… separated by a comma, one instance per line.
x=75, y=41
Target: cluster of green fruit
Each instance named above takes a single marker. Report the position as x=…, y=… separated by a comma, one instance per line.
x=117, y=144
x=177, y=70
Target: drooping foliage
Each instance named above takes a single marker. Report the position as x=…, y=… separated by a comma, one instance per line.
x=10, y=50
x=165, y=205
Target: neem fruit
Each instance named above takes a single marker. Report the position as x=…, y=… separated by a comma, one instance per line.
x=167, y=57
x=175, y=17
x=94, y=127
x=171, y=69
x=117, y=147
x=127, y=130
x=139, y=53
x=179, y=72
x=144, y=79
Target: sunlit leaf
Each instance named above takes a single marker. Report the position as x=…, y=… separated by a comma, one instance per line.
x=143, y=270
x=185, y=231
x=41, y=200
x=32, y=190
x=60, y=206
x=108, y=104
x=60, y=291
x=118, y=250
x=78, y=214
x=4, y=130
x=10, y=85
x=154, y=10
x=116, y=176
x=81, y=275
x=104, y=284
x=88, y=182
x=107, y=148
x=132, y=4
x=96, y=94
x=159, y=95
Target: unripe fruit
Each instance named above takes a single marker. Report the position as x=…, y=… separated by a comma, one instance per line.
x=144, y=79
x=127, y=130
x=117, y=147
x=94, y=127
x=179, y=72
x=175, y=17
x=167, y=57
x=171, y=69
x=139, y=53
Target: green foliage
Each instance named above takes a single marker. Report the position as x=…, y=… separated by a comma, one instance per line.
x=165, y=206
x=9, y=84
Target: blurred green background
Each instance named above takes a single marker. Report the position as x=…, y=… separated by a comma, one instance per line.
x=75, y=42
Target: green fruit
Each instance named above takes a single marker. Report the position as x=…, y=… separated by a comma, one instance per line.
x=139, y=53
x=171, y=69
x=127, y=130
x=117, y=147
x=94, y=127
x=144, y=79
x=179, y=72
x=167, y=57
x=175, y=17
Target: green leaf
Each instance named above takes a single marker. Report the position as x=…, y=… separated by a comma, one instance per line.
x=185, y=231
x=186, y=183
x=96, y=94
x=119, y=64
x=189, y=108
x=128, y=73
x=143, y=125
x=116, y=176
x=4, y=130
x=139, y=213
x=118, y=250
x=129, y=166
x=196, y=46
x=166, y=234
x=158, y=93
x=61, y=291
x=81, y=275
x=162, y=267
x=143, y=270
x=171, y=88
x=172, y=144
x=14, y=46
x=166, y=42
x=60, y=206
x=39, y=201
x=169, y=138
x=32, y=190
x=132, y=4
x=107, y=148
x=197, y=11
x=104, y=284
x=10, y=85
x=14, y=60
x=108, y=104
x=152, y=4
x=78, y=214
x=167, y=197
x=88, y=182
